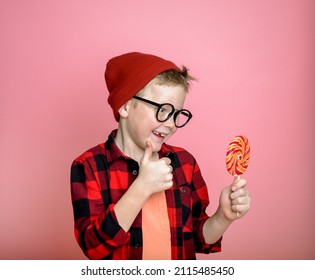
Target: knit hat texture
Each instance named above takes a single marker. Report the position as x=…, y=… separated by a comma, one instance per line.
x=127, y=74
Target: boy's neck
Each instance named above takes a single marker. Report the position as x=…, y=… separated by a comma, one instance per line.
x=127, y=146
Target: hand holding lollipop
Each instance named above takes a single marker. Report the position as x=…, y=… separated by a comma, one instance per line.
x=237, y=157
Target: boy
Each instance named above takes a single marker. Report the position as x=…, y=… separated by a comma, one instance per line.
x=135, y=197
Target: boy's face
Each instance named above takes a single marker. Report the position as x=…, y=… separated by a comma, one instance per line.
x=142, y=124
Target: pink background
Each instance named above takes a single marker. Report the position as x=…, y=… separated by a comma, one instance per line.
x=255, y=65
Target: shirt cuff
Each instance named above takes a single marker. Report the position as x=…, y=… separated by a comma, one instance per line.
x=202, y=246
x=110, y=226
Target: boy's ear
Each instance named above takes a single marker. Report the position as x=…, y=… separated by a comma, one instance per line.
x=124, y=110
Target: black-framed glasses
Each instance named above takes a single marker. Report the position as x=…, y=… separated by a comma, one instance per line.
x=166, y=110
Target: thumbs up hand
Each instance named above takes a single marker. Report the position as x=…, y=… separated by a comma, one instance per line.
x=155, y=174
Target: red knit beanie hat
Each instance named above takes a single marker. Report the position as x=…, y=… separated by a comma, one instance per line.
x=127, y=74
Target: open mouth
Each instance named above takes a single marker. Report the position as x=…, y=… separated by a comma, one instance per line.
x=159, y=134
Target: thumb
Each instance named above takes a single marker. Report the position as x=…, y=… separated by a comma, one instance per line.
x=234, y=184
x=236, y=179
x=238, y=183
x=147, y=152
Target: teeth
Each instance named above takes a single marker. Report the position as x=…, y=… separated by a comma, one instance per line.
x=159, y=134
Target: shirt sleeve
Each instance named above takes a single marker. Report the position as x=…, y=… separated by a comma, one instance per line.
x=96, y=227
x=200, y=203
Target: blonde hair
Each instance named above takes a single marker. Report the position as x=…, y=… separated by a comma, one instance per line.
x=172, y=77
x=176, y=77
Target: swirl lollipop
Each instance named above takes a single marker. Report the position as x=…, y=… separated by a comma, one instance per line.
x=237, y=157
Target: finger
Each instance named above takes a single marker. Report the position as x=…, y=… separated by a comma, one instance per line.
x=239, y=193
x=166, y=160
x=241, y=201
x=168, y=184
x=168, y=163
x=147, y=152
x=169, y=177
x=240, y=208
x=171, y=168
x=238, y=184
x=168, y=180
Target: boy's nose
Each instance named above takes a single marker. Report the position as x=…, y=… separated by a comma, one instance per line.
x=170, y=123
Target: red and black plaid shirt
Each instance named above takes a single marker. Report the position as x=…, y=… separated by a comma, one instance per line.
x=100, y=177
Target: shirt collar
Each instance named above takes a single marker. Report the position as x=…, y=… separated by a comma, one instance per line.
x=112, y=150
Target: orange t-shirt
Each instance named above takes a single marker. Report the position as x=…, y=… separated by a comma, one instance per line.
x=156, y=228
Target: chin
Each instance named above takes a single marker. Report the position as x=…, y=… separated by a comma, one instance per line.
x=157, y=147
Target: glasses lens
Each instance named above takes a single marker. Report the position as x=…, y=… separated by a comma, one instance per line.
x=164, y=112
x=182, y=118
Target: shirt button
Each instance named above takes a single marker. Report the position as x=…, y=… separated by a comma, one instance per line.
x=183, y=190
x=135, y=172
x=137, y=245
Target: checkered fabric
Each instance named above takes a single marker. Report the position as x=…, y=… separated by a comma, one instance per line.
x=101, y=176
